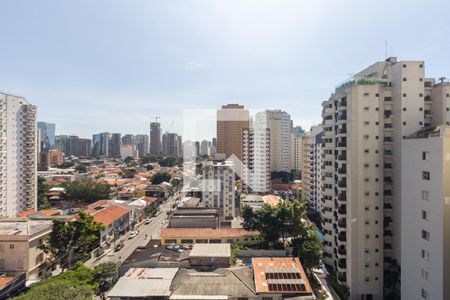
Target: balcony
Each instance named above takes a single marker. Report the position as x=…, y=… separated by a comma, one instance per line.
x=342, y=277
x=342, y=157
x=342, y=250
x=342, y=116
x=342, y=209
x=342, y=223
x=388, y=166
x=342, y=263
x=342, y=183
x=342, y=171
x=342, y=196
x=341, y=144
x=342, y=236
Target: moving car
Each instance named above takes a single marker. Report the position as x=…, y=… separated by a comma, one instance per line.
x=133, y=234
x=119, y=246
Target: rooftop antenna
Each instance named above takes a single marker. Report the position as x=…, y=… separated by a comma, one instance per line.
x=386, y=50
x=157, y=118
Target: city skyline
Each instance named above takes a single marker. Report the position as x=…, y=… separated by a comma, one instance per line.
x=233, y=52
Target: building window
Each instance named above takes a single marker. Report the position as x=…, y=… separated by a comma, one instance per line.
x=425, y=235
x=425, y=155
x=425, y=255
x=425, y=175
x=425, y=215
x=424, y=294
x=426, y=195
x=11, y=246
x=424, y=274
x=404, y=78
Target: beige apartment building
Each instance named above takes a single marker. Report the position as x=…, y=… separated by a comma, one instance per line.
x=425, y=230
x=312, y=165
x=231, y=120
x=364, y=122
x=55, y=157
x=19, y=247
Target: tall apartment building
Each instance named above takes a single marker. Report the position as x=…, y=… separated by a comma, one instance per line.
x=55, y=157
x=312, y=165
x=155, y=138
x=142, y=144
x=100, y=144
x=256, y=157
x=364, y=122
x=218, y=187
x=115, y=144
x=425, y=229
x=295, y=150
x=170, y=144
x=279, y=124
x=205, y=148
x=231, y=119
x=18, y=155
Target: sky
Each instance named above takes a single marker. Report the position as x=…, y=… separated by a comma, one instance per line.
x=108, y=65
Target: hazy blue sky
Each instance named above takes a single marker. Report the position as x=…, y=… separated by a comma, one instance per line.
x=94, y=66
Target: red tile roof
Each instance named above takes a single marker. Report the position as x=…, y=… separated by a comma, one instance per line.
x=5, y=280
x=109, y=215
x=263, y=265
x=150, y=200
x=25, y=213
x=167, y=233
x=271, y=199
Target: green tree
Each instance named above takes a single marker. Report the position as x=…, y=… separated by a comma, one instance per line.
x=160, y=177
x=80, y=169
x=105, y=275
x=128, y=173
x=72, y=240
x=58, y=290
x=309, y=251
x=42, y=189
x=249, y=218
x=66, y=165
x=85, y=190
x=149, y=167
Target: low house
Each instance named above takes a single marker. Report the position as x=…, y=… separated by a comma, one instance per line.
x=198, y=217
x=116, y=220
x=189, y=236
x=223, y=283
x=210, y=255
x=281, y=278
x=253, y=201
x=32, y=213
x=272, y=200
x=19, y=247
x=144, y=283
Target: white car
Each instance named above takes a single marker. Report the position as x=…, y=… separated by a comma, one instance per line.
x=147, y=221
x=132, y=234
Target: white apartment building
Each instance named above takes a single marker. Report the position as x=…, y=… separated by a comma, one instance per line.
x=312, y=166
x=218, y=187
x=364, y=123
x=18, y=155
x=256, y=158
x=425, y=230
x=279, y=123
x=205, y=148
x=129, y=150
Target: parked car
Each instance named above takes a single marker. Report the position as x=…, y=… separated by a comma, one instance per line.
x=119, y=246
x=147, y=221
x=132, y=234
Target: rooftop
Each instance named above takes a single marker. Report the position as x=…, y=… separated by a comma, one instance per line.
x=196, y=211
x=167, y=233
x=278, y=275
x=211, y=250
x=144, y=282
x=24, y=228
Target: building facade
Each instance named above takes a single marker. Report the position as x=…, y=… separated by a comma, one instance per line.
x=55, y=157
x=155, y=138
x=425, y=230
x=100, y=144
x=170, y=144
x=18, y=155
x=72, y=145
x=46, y=133
x=364, y=122
x=231, y=119
x=142, y=145
x=218, y=187
x=312, y=166
x=279, y=123
x=115, y=143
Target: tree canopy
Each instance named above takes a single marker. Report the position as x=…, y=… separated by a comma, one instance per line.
x=160, y=177
x=85, y=190
x=286, y=223
x=42, y=201
x=128, y=172
x=80, y=283
x=70, y=241
x=81, y=169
